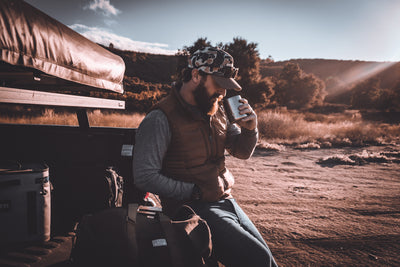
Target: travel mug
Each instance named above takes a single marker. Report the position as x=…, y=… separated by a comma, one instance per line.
x=231, y=105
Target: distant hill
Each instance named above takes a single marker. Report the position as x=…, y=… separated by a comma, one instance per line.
x=148, y=67
x=148, y=78
x=337, y=74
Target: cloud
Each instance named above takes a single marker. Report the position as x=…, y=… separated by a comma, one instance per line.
x=104, y=6
x=110, y=22
x=104, y=37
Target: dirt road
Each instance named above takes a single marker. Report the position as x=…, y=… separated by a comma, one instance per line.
x=323, y=215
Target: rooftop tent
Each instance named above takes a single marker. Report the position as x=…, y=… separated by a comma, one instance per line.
x=30, y=38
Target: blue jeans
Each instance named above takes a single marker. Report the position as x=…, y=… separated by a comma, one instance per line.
x=236, y=241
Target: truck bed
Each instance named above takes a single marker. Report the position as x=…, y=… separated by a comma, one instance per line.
x=77, y=158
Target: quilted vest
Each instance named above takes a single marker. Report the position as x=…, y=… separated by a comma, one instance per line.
x=196, y=150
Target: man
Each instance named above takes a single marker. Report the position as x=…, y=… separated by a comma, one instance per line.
x=179, y=155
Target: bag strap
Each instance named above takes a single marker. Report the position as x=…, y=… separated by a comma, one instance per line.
x=132, y=212
x=131, y=228
x=131, y=223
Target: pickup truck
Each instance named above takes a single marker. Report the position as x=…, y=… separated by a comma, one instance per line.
x=39, y=58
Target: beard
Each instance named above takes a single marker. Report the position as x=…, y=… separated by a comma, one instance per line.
x=208, y=105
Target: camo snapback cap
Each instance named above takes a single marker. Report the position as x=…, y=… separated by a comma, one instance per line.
x=217, y=63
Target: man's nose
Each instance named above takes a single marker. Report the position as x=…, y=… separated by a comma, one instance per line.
x=222, y=91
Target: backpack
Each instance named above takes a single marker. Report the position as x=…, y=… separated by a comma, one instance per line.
x=142, y=236
x=115, y=188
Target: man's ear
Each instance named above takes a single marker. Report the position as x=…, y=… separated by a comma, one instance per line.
x=196, y=77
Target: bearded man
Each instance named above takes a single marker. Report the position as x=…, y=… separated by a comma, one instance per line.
x=179, y=155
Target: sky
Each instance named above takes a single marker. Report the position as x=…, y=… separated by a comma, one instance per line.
x=283, y=29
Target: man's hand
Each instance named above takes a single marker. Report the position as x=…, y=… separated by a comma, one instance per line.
x=228, y=179
x=214, y=193
x=249, y=122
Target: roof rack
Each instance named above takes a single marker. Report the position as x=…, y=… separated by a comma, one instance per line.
x=23, y=96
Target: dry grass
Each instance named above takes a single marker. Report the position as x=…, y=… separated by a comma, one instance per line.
x=276, y=127
x=288, y=127
x=123, y=120
x=96, y=118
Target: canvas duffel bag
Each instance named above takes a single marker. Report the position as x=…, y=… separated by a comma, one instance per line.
x=142, y=236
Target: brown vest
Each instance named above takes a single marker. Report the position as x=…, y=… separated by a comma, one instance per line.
x=196, y=150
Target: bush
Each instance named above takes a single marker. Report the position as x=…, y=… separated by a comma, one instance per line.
x=296, y=89
x=369, y=95
x=260, y=93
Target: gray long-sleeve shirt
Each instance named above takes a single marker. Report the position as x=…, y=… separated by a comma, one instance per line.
x=152, y=140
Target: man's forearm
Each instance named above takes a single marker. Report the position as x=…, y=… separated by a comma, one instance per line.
x=152, y=181
x=241, y=144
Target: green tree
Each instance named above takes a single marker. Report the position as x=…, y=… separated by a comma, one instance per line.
x=260, y=93
x=246, y=58
x=296, y=89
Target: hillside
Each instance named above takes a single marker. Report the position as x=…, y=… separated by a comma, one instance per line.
x=148, y=77
x=148, y=67
x=335, y=73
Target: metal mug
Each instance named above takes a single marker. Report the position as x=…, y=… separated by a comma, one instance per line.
x=231, y=105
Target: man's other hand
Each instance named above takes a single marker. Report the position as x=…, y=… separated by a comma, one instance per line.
x=214, y=193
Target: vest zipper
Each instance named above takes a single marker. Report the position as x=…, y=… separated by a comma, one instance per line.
x=207, y=142
x=211, y=138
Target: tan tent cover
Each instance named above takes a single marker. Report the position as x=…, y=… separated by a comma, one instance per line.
x=32, y=39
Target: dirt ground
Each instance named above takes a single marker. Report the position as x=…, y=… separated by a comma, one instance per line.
x=322, y=215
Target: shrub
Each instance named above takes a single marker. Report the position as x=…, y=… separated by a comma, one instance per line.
x=296, y=89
